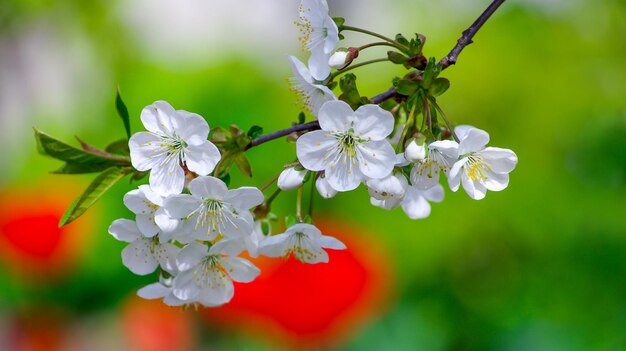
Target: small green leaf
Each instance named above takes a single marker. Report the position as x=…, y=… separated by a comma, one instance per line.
x=439, y=86
x=301, y=118
x=402, y=40
x=243, y=164
x=119, y=147
x=94, y=191
x=339, y=21
x=265, y=227
x=255, y=132
x=290, y=220
x=351, y=95
x=122, y=111
x=307, y=219
x=406, y=87
x=396, y=57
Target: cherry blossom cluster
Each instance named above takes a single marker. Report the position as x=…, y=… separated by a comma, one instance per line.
x=189, y=224
x=200, y=236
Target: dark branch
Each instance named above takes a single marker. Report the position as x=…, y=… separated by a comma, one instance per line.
x=445, y=62
x=468, y=35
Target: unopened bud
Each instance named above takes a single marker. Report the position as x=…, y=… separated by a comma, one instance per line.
x=415, y=150
x=342, y=58
x=291, y=179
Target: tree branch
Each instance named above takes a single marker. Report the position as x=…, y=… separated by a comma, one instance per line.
x=445, y=62
x=468, y=35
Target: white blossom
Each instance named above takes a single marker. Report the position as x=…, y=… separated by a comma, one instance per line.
x=162, y=289
x=312, y=94
x=319, y=35
x=441, y=156
x=304, y=241
x=480, y=168
x=144, y=254
x=211, y=209
x=351, y=146
x=206, y=275
x=150, y=215
x=395, y=191
x=174, y=139
x=291, y=179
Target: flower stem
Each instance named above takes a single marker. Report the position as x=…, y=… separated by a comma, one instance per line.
x=427, y=115
x=445, y=118
x=312, y=195
x=271, y=198
x=270, y=182
x=378, y=43
x=351, y=67
x=377, y=35
x=299, y=205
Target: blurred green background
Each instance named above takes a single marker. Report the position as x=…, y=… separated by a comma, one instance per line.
x=539, y=266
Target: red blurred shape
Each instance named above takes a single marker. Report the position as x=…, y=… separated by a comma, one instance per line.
x=150, y=325
x=31, y=243
x=312, y=305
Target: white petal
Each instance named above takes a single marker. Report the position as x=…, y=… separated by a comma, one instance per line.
x=166, y=256
x=336, y=116
x=125, y=230
x=462, y=130
x=239, y=269
x=208, y=187
x=165, y=223
x=145, y=150
x=447, y=148
x=318, y=63
x=230, y=247
x=202, y=158
x=344, y=175
x=181, y=206
x=311, y=252
x=378, y=158
x=456, y=172
x=318, y=96
x=167, y=177
x=496, y=182
x=153, y=291
x=474, y=189
x=184, y=286
x=136, y=201
x=415, y=205
x=373, y=122
x=290, y=179
x=138, y=257
x=324, y=189
x=190, y=256
x=157, y=118
x=173, y=301
x=221, y=292
x=299, y=70
x=151, y=195
x=146, y=225
x=244, y=198
x=392, y=186
x=191, y=127
x=474, y=141
x=309, y=229
x=274, y=246
x=434, y=194
x=330, y=242
x=500, y=160
x=312, y=149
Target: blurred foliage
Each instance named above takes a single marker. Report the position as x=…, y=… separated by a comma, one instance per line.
x=540, y=266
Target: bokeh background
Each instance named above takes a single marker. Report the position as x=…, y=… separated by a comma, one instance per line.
x=540, y=266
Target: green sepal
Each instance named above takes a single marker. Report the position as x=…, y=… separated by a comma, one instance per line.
x=405, y=87
x=350, y=95
x=307, y=219
x=100, y=185
x=265, y=227
x=122, y=111
x=339, y=21
x=439, y=86
x=401, y=39
x=290, y=220
x=243, y=164
x=396, y=57
x=301, y=118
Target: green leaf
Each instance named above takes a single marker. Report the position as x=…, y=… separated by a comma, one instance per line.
x=301, y=118
x=119, y=147
x=243, y=164
x=122, y=111
x=290, y=220
x=439, y=86
x=339, y=21
x=402, y=40
x=406, y=87
x=255, y=132
x=265, y=227
x=396, y=57
x=94, y=191
x=351, y=95
x=78, y=160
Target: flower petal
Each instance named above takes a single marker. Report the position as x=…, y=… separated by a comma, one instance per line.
x=378, y=158
x=274, y=246
x=156, y=118
x=181, y=206
x=336, y=116
x=220, y=292
x=202, y=158
x=167, y=177
x=373, y=122
x=496, y=182
x=125, y=230
x=500, y=160
x=475, y=189
x=145, y=150
x=434, y=194
x=474, y=141
x=455, y=174
x=208, y=187
x=313, y=149
x=153, y=291
x=190, y=255
x=330, y=242
x=184, y=286
x=244, y=198
x=191, y=127
x=324, y=189
x=344, y=175
x=138, y=257
x=146, y=225
x=239, y=269
x=318, y=63
x=415, y=205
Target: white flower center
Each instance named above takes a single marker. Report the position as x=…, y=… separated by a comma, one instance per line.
x=433, y=164
x=345, y=150
x=213, y=214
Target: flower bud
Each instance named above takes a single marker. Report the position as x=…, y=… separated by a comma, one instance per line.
x=415, y=150
x=342, y=58
x=325, y=190
x=291, y=179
